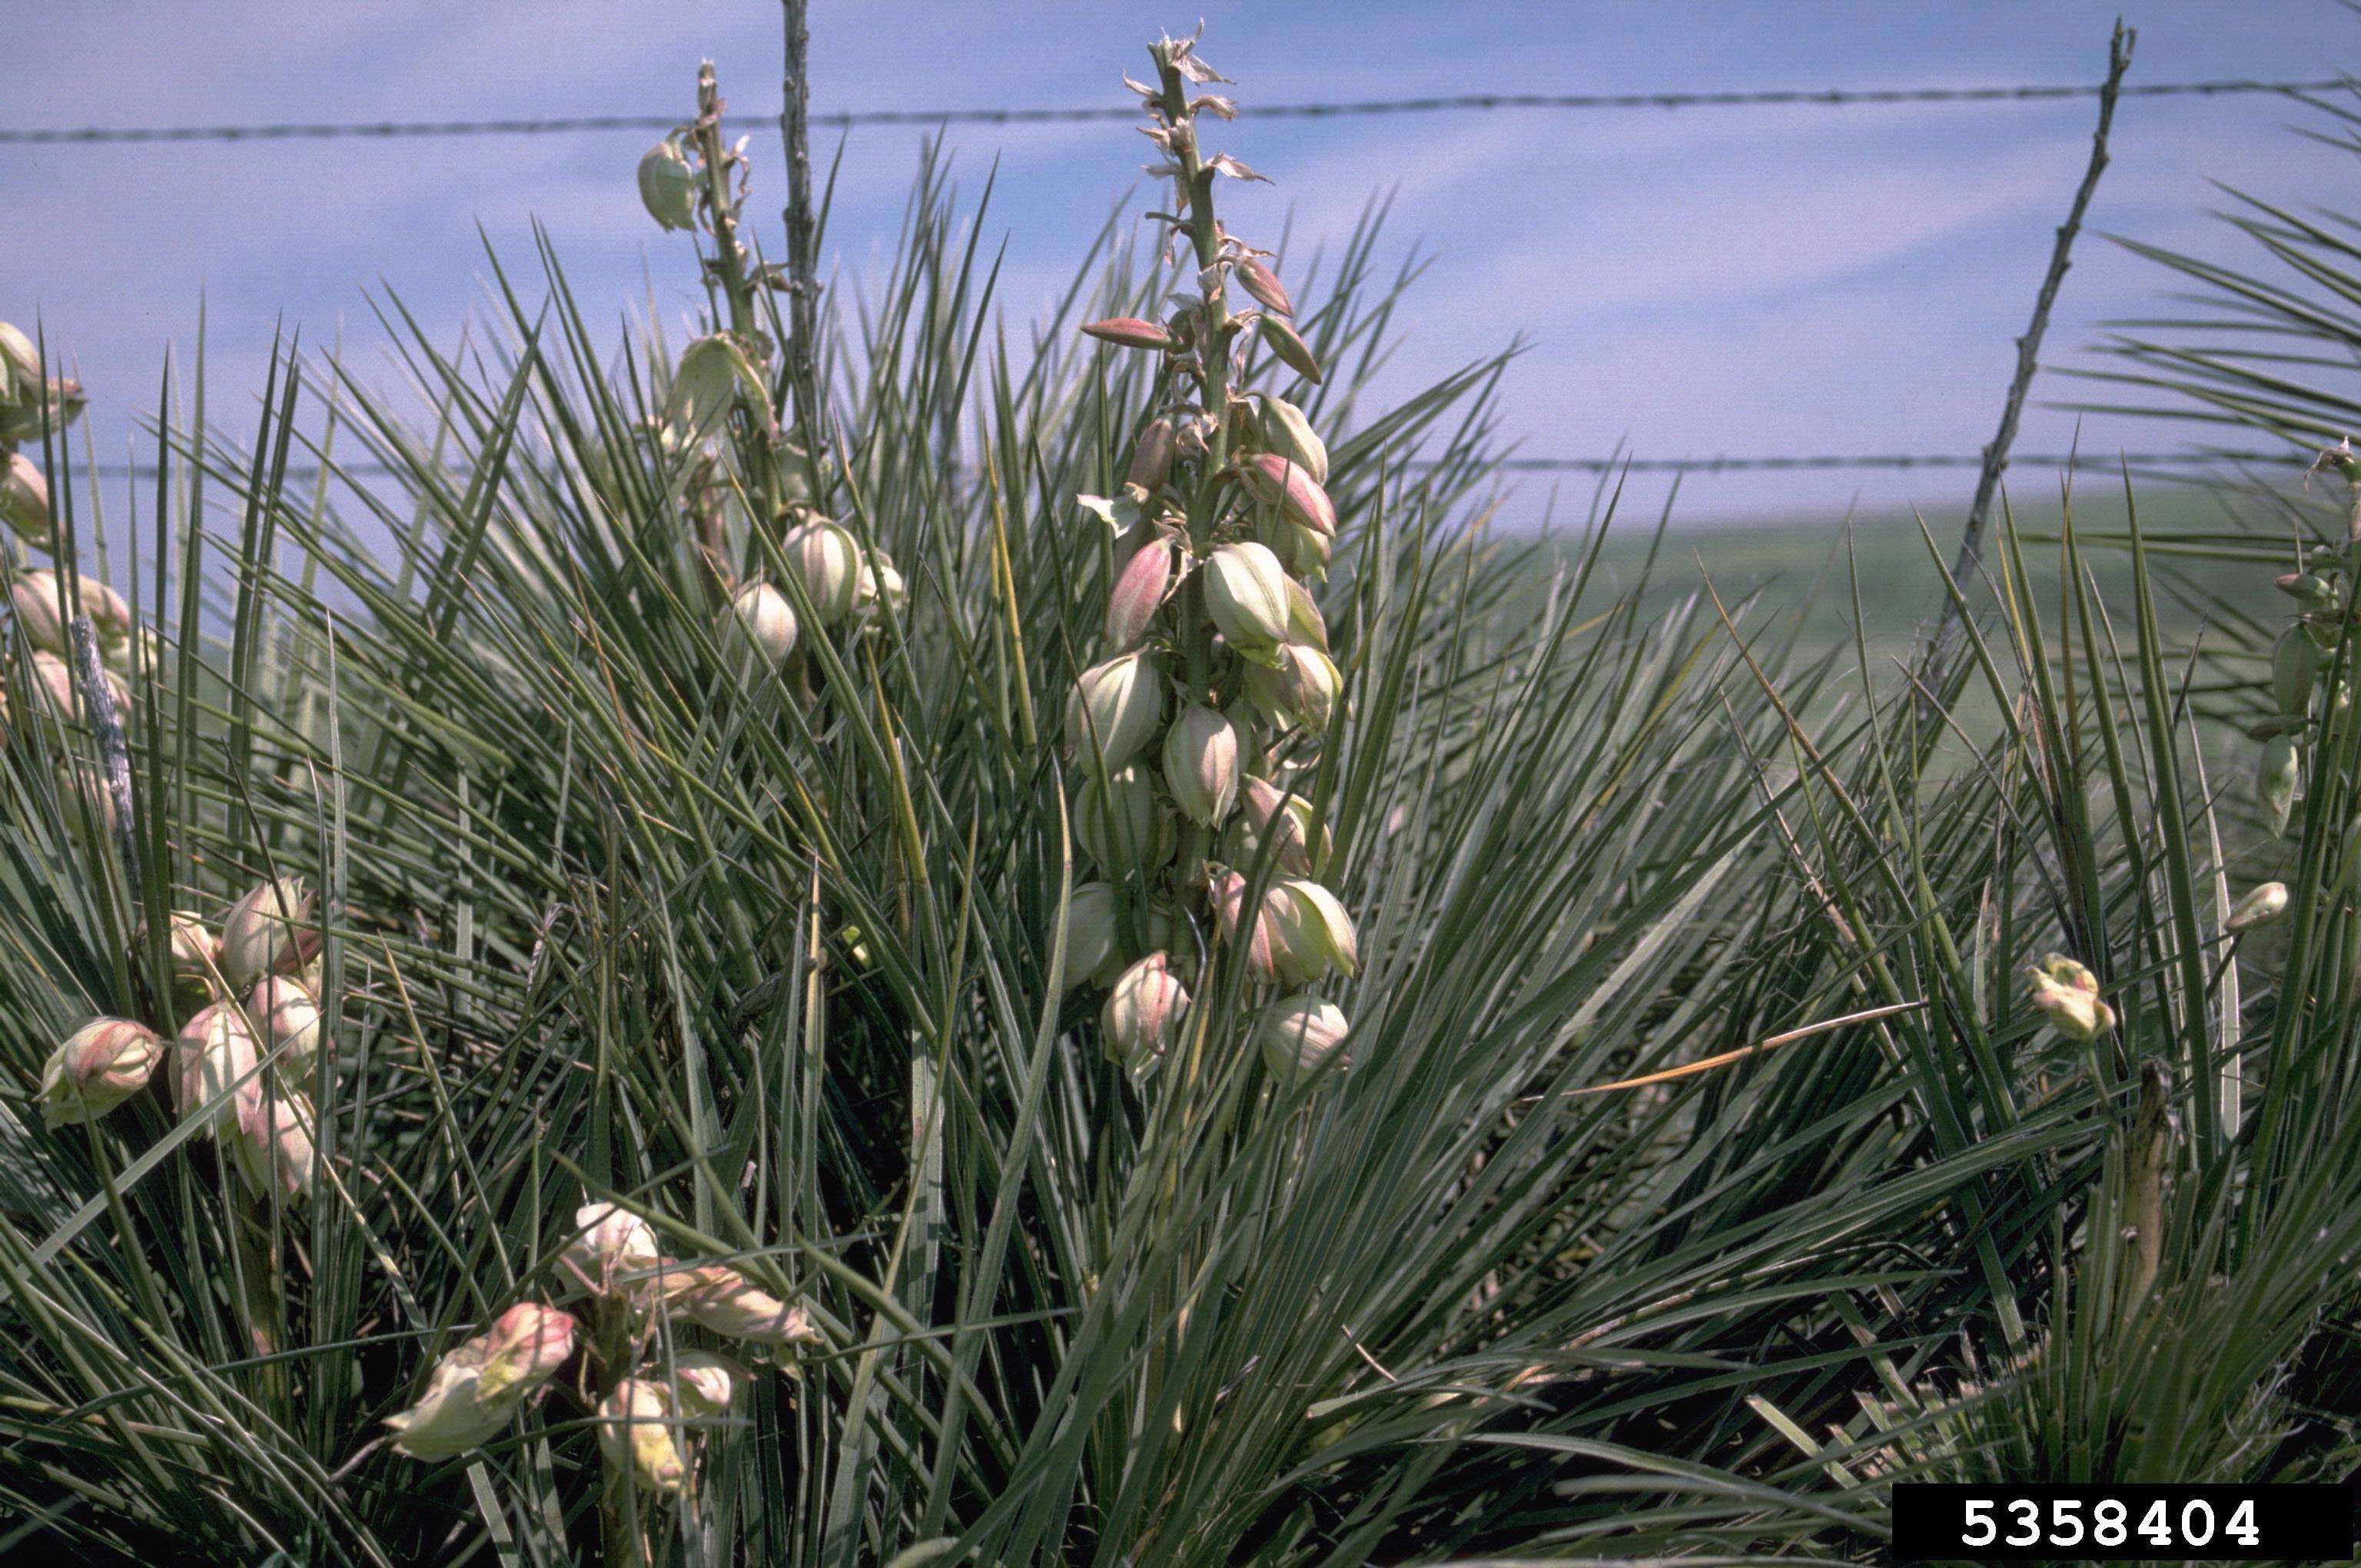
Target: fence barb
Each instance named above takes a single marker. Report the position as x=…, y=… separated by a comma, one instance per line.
x=1933, y=683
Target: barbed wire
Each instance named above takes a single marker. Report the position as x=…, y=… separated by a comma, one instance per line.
x=1615, y=464
x=858, y=118
x=1883, y=460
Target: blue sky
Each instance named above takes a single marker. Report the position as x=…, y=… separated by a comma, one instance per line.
x=1713, y=281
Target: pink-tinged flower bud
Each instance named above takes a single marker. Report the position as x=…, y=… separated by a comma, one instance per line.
x=714, y=376
x=611, y=1247
x=97, y=1069
x=1257, y=937
x=1129, y=331
x=56, y=678
x=1299, y=1034
x=1151, y=458
x=704, y=1385
x=25, y=500
x=20, y=365
x=1090, y=933
x=715, y=1297
x=272, y=1143
x=524, y=1348
x=1292, y=351
x=286, y=1019
x=826, y=559
x=635, y=1436
x=762, y=620
x=2278, y=780
x=2311, y=591
x=2069, y=994
x=193, y=957
x=879, y=588
x=1119, y=823
x=1139, y=592
x=51, y=406
x=1299, y=843
x=668, y=185
x=34, y=596
x=474, y=1390
x=1263, y=283
x=2261, y=906
x=214, y=1055
x=1141, y=1019
x=1114, y=710
x=1290, y=435
x=267, y=932
x=1312, y=937
x=85, y=805
x=1271, y=480
x=2295, y=666
x=1201, y=764
x=1302, y=690
x=1246, y=593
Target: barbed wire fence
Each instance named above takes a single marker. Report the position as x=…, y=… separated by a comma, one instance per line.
x=856, y=119
x=2026, y=92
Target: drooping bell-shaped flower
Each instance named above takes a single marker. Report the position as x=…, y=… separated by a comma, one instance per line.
x=2262, y=905
x=826, y=559
x=272, y=1143
x=1299, y=1034
x=1141, y=1018
x=1290, y=435
x=476, y=1389
x=214, y=1055
x=2295, y=666
x=1202, y=755
x=716, y=1297
x=1299, y=843
x=286, y=1019
x=1274, y=481
x=704, y=1385
x=636, y=1436
x=1246, y=594
x=1113, y=711
x=1313, y=936
x=1300, y=689
x=25, y=500
x=1090, y=933
x=761, y=619
x=267, y=931
x=611, y=1246
x=2278, y=779
x=97, y=1069
x=35, y=598
x=2068, y=995
x=668, y=185
x=1152, y=455
x=1120, y=823
x=1139, y=591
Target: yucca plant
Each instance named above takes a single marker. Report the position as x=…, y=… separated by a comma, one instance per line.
x=605, y=904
